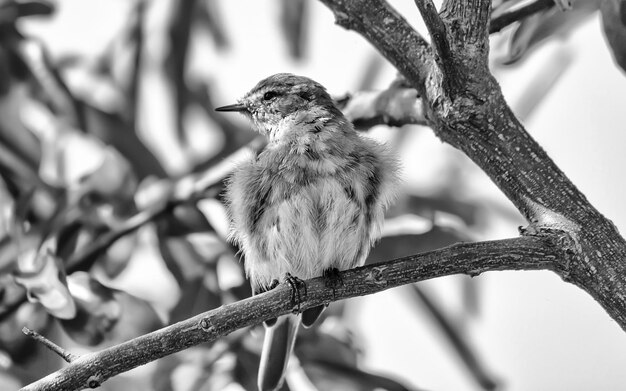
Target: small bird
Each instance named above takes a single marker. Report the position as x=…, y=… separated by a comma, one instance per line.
x=310, y=204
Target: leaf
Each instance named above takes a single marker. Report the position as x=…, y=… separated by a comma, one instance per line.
x=31, y=8
x=456, y=338
x=195, y=298
x=98, y=310
x=293, y=20
x=330, y=377
x=176, y=60
x=12, y=341
x=105, y=313
x=187, y=261
x=332, y=343
x=246, y=369
x=391, y=247
x=43, y=276
x=614, y=25
x=112, y=179
x=553, y=22
x=119, y=254
x=14, y=136
x=11, y=10
x=52, y=88
x=186, y=219
x=112, y=129
x=208, y=15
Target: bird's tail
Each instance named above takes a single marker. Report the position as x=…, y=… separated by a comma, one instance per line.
x=277, y=347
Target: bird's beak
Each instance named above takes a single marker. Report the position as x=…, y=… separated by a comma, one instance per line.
x=236, y=107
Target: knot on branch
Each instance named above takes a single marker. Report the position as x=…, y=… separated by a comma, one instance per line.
x=378, y=275
x=94, y=381
x=207, y=326
x=564, y=241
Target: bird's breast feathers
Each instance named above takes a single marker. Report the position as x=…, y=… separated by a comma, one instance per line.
x=308, y=211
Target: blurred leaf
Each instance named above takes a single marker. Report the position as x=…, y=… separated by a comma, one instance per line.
x=546, y=24
x=67, y=240
x=118, y=255
x=428, y=205
x=12, y=340
x=330, y=377
x=294, y=15
x=456, y=338
x=22, y=8
x=112, y=180
x=105, y=313
x=46, y=77
x=614, y=26
x=176, y=59
x=13, y=134
x=185, y=219
x=195, y=298
x=391, y=247
x=235, y=137
x=208, y=15
x=43, y=276
x=247, y=368
x=332, y=344
x=10, y=11
x=113, y=130
x=185, y=261
x=137, y=39
x=98, y=310
x=162, y=378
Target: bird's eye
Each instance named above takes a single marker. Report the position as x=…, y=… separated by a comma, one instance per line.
x=270, y=95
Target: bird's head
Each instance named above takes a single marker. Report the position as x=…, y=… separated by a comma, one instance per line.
x=284, y=101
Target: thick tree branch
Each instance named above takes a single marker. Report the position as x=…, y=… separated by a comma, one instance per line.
x=523, y=253
x=480, y=123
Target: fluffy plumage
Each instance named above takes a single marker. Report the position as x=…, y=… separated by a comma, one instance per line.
x=314, y=198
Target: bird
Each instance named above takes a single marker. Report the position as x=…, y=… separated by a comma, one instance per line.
x=311, y=203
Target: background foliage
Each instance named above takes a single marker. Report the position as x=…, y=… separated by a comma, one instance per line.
x=111, y=167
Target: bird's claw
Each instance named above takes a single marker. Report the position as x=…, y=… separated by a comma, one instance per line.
x=296, y=284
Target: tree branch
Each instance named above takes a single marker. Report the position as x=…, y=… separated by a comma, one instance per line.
x=64, y=354
x=393, y=107
x=439, y=42
x=523, y=253
x=480, y=123
x=408, y=51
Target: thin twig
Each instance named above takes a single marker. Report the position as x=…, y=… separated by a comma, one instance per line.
x=509, y=17
x=64, y=354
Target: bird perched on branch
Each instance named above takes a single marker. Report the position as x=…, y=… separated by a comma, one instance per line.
x=310, y=204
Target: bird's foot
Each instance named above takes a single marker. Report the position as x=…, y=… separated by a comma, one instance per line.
x=333, y=279
x=296, y=285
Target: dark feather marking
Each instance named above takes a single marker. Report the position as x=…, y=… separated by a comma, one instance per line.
x=373, y=186
x=321, y=220
x=259, y=206
x=349, y=190
x=312, y=154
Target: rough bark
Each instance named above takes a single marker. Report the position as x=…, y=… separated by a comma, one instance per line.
x=476, y=119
